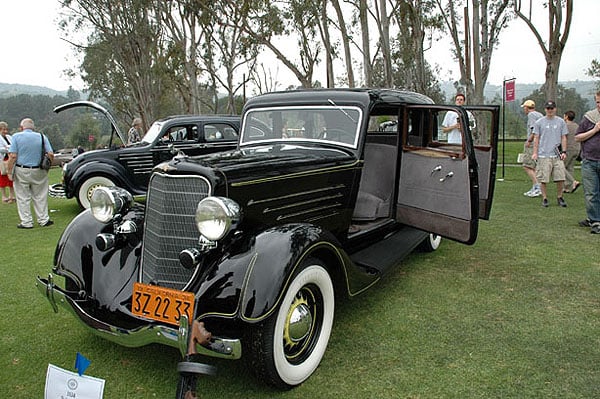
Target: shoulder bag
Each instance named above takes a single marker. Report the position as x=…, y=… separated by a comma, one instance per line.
x=45, y=161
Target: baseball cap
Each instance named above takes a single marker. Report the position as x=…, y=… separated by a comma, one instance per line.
x=528, y=104
x=550, y=104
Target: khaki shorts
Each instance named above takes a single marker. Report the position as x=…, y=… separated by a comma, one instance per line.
x=527, y=161
x=550, y=168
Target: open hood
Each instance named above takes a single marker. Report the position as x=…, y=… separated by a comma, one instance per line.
x=97, y=107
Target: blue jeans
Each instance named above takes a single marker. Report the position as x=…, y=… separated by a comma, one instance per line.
x=590, y=174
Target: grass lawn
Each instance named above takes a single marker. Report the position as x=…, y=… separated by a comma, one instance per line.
x=516, y=315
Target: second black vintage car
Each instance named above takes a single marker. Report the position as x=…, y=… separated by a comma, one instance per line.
x=243, y=253
x=130, y=166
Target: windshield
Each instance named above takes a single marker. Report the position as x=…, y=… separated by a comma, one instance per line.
x=152, y=133
x=330, y=124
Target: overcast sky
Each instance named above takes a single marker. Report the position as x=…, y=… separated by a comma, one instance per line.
x=34, y=54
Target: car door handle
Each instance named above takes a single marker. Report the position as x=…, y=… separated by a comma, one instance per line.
x=449, y=175
x=436, y=169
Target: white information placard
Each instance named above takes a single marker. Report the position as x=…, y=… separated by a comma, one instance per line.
x=63, y=384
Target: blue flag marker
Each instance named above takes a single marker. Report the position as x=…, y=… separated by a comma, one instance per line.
x=81, y=363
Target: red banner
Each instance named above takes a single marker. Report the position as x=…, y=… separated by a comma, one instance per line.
x=509, y=90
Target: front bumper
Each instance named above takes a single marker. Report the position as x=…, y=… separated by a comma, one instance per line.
x=144, y=335
x=57, y=191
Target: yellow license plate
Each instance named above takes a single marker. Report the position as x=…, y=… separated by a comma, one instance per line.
x=161, y=304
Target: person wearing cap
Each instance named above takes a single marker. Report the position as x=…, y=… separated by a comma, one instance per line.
x=549, y=145
x=135, y=133
x=588, y=134
x=528, y=163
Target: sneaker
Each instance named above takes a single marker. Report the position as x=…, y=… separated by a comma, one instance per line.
x=48, y=223
x=545, y=202
x=561, y=202
x=22, y=226
x=595, y=228
x=534, y=192
x=585, y=223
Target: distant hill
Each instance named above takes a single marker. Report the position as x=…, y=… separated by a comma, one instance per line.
x=14, y=89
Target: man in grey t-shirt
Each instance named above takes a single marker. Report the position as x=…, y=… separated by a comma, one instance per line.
x=549, y=145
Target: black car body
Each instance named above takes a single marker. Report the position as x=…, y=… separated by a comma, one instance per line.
x=245, y=251
x=130, y=166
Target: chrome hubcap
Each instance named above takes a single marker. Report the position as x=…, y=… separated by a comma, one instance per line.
x=300, y=323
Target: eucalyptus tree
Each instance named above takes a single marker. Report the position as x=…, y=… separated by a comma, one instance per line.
x=125, y=58
x=228, y=53
x=180, y=21
x=345, y=33
x=474, y=39
x=560, y=15
x=414, y=19
x=276, y=25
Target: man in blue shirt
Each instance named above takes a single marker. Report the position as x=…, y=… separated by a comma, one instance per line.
x=30, y=181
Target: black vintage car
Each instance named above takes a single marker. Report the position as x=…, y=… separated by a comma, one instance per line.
x=243, y=253
x=130, y=166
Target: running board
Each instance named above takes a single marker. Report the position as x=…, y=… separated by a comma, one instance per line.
x=389, y=252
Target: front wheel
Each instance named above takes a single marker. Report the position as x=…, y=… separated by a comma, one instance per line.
x=288, y=347
x=84, y=193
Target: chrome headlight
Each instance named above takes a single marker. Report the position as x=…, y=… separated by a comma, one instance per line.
x=106, y=202
x=217, y=216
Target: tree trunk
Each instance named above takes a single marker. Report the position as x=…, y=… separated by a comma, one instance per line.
x=366, y=49
x=345, y=42
x=556, y=42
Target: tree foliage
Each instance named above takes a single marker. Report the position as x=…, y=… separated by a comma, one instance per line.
x=154, y=57
x=594, y=72
x=566, y=99
x=84, y=128
x=126, y=57
x=146, y=56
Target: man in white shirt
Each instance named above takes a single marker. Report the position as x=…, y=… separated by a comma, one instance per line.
x=451, y=124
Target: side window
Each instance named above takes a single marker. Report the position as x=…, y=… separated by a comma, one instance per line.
x=425, y=129
x=219, y=131
x=383, y=123
x=180, y=133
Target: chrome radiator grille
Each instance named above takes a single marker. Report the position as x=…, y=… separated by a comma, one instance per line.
x=170, y=227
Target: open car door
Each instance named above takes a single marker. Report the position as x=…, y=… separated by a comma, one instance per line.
x=445, y=188
x=115, y=131
x=484, y=125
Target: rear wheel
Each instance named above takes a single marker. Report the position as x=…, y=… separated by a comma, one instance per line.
x=288, y=347
x=431, y=243
x=84, y=194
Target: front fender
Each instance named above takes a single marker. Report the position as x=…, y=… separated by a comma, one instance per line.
x=251, y=284
x=105, y=167
x=279, y=252
x=106, y=277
